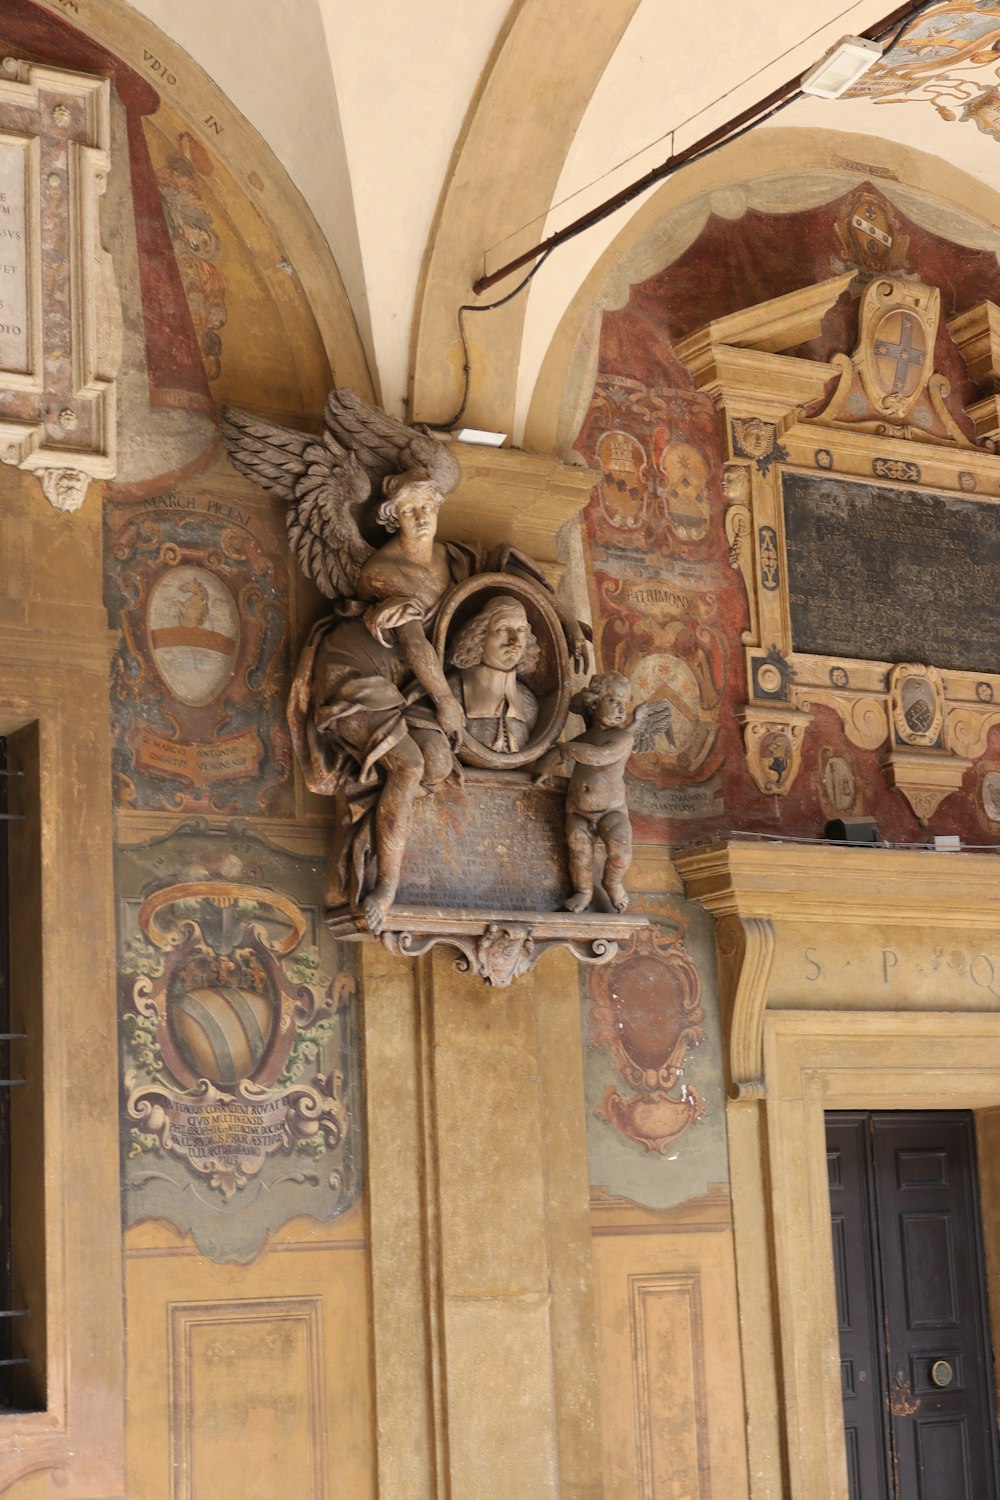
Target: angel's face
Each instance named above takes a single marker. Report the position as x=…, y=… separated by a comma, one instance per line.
x=417, y=515
x=611, y=709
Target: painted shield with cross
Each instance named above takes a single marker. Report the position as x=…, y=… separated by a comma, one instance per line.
x=898, y=328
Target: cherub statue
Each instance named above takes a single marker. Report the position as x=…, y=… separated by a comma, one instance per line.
x=372, y=716
x=596, y=810
x=489, y=651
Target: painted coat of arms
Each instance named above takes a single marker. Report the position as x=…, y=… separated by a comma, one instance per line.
x=201, y=673
x=239, y=1062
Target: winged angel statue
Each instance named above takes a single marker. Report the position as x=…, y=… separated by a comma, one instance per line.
x=373, y=717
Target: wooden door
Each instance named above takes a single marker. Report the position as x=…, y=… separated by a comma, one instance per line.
x=919, y=1412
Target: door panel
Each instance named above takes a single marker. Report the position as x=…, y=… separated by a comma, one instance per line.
x=907, y=1243
x=858, y=1312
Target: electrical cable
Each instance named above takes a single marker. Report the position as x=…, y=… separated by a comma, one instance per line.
x=467, y=307
x=586, y=186
x=666, y=170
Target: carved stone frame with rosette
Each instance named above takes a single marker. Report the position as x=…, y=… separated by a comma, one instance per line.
x=57, y=407
x=763, y=394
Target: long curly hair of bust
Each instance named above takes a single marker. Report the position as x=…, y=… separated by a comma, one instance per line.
x=467, y=647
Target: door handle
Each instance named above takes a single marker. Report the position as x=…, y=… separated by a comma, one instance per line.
x=942, y=1373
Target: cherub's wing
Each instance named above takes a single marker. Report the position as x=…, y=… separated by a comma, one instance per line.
x=323, y=485
x=649, y=720
x=384, y=446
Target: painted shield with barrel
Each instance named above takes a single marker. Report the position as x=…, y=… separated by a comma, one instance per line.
x=222, y=1030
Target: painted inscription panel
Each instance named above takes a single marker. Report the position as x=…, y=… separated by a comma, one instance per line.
x=199, y=586
x=240, y=1085
x=13, y=258
x=885, y=574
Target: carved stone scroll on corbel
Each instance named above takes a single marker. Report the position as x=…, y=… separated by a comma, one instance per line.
x=498, y=947
x=745, y=947
x=863, y=716
x=61, y=332
x=739, y=535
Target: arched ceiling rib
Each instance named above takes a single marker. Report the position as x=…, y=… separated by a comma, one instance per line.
x=425, y=138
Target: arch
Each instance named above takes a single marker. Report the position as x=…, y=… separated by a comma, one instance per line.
x=289, y=227
x=506, y=164
x=773, y=169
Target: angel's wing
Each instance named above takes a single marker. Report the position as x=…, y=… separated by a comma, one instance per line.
x=323, y=485
x=649, y=720
x=383, y=445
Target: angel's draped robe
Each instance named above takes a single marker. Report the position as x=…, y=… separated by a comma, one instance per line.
x=354, y=697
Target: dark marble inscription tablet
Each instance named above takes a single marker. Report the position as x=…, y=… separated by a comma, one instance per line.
x=884, y=574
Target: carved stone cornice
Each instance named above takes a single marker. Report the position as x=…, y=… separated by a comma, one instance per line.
x=498, y=946
x=509, y=496
x=977, y=335
x=833, y=883
x=737, y=380
x=766, y=894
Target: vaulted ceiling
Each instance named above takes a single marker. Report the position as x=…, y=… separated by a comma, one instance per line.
x=433, y=140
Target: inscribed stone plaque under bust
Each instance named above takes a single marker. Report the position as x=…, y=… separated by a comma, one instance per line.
x=883, y=574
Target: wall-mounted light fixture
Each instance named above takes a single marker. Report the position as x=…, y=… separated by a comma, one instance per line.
x=478, y=435
x=842, y=66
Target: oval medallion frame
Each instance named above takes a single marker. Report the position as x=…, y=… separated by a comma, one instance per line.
x=550, y=681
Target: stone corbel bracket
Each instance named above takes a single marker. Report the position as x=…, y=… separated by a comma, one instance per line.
x=497, y=946
x=745, y=948
x=61, y=334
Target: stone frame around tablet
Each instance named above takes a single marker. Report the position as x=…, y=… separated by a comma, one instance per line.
x=780, y=418
x=62, y=350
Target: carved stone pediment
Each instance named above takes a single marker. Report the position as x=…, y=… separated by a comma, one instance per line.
x=889, y=384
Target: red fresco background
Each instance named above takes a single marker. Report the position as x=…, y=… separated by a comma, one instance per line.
x=733, y=265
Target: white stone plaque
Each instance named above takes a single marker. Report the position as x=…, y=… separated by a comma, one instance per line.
x=13, y=258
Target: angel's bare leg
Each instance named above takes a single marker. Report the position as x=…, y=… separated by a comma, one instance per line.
x=580, y=838
x=615, y=831
x=404, y=768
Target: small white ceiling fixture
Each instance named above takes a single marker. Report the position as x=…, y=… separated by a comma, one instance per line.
x=477, y=435
x=842, y=66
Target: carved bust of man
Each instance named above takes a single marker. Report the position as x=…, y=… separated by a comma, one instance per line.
x=489, y=652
